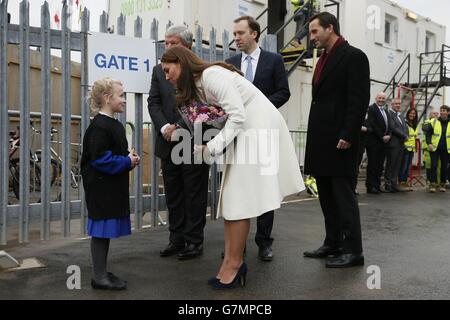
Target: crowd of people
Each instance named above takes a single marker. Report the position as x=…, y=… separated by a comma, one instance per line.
x=250, y=87
x=391, y=140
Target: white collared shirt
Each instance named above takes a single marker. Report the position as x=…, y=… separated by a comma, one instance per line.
x=384, y=114
x=255, y=58
x=106, y=114
x=399, y=117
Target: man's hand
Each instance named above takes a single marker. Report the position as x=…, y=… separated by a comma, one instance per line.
x=343, y=145
x=168, y=132
x=386, y=139
x=363, y=129
x=430, y=147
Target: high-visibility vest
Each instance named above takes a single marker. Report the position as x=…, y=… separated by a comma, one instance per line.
x=426, y=153
x=424, y=136
x=303, y=3
x=437, y=133
x=410, y=142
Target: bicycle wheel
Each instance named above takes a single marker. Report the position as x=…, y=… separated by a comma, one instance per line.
x=55, y=168
x=34, y=175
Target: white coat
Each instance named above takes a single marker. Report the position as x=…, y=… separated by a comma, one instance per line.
x=264, y=168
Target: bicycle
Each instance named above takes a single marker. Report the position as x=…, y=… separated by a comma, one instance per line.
x=34, y=174
x=56, y=161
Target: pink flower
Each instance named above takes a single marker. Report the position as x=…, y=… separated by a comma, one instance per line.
x=202, y=117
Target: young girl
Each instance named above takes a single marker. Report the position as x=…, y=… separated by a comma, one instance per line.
x=105, y=166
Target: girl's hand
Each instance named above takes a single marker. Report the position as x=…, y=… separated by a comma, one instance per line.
x=135, y=159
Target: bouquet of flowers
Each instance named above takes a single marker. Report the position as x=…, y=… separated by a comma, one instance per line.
x=198, y=113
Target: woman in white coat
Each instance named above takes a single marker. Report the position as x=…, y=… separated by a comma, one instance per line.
x=264, y=168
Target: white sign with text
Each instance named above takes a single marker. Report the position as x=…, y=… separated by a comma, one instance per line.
x=130, y=60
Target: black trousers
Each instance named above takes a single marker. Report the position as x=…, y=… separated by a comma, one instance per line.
x=394, y=160
x=264, y=224
x=376, y=155
x=341, y=213
x=186, y=191
x=439, y=154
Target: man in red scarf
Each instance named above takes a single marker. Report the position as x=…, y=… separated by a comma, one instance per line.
x=341, y=93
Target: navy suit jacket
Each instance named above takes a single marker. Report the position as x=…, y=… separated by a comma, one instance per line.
x=270, y=77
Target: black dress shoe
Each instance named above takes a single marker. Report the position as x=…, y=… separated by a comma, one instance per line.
x=108, y=284
x=323, y=252
x=345, y=260
x=396, y=188
x=373, y=191
x=265, y=254
x=171, y=249
x=191, y=251
x=388, y=189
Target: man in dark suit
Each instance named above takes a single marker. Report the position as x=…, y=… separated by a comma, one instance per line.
x=266, y=71
x=396, y=147
x=185, y=184
x=377, y=143
x=340, y=95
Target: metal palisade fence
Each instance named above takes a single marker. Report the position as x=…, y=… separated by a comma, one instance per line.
x=37, y=187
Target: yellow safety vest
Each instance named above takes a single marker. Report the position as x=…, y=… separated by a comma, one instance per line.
x=437, y=132
x=424, y=136
x=410, y=142
x=297, y=5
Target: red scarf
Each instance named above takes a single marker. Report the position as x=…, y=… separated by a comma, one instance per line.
x=323, y=60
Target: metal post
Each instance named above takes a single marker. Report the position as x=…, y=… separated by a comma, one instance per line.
x=226, y=46
x=24, y=180
x=104, y=22
x=154, y=169
x=122, y=117
x=4, y=120
x=66, y=104
x=441, y=69
x=45, y=122
x=198, y=42
x=212, y=45
x=85, y=109
x=409, y=67
x=138, y=137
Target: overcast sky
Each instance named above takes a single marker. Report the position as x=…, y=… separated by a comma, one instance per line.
x=436, y=10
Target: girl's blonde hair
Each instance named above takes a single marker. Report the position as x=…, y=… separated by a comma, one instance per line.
x=99, y=89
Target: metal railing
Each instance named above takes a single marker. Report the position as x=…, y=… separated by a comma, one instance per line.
x=73, y=121
x=405, y=65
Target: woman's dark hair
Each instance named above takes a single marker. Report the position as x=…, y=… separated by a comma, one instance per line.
x=325, y=20
x=414, y=122
x=192, y=68
x=252, y=24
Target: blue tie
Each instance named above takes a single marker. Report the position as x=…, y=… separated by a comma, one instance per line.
x=249, y=72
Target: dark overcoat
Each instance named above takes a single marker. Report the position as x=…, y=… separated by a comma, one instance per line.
x=339, y=104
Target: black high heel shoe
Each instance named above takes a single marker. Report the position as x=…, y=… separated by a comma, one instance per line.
x=239, y=279
x=212, y=280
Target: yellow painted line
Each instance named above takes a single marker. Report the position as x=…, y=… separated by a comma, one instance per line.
x=299, y=200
